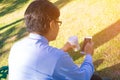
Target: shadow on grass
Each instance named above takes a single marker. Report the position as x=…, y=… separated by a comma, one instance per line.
x=19, y=3
x=11, y=34
x=11, y=8
x=107, y=34
x=61, y=3
x=4, y=36
x=97, y=63
x=102, y=37
x=99, y=39
x=1, y=1
x=22, y=31
x=6, y=26
x=75, y=55
x=113, y=72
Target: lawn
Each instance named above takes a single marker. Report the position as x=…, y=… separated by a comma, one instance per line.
x=97, y=18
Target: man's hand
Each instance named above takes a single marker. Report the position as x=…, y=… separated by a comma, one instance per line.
x=67, y=47
x=89, y=49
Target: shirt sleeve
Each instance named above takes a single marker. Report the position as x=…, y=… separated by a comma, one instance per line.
x=66, y=69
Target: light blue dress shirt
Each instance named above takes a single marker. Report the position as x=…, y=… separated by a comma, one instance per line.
x=33, y=59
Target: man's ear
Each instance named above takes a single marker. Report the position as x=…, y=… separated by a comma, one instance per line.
x=52, y=24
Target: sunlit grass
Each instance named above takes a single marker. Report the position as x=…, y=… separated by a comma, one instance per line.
x=88, y=18
x=13, y=16
x=97, y=18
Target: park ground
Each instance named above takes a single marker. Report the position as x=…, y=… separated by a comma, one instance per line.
x=97, y=18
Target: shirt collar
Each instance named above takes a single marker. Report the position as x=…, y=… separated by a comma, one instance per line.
x=38, y=37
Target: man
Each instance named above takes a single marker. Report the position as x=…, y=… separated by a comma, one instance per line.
x=33, y=59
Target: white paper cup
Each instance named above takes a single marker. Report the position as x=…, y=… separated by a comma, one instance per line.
x=73, y=40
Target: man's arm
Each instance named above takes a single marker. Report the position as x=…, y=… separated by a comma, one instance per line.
x=66, y=69
x=67, y=47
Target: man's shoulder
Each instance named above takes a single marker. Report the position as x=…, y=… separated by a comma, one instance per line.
x=56, y=51
x=19, y=43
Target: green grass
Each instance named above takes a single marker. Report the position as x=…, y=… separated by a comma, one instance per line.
x=97, y=18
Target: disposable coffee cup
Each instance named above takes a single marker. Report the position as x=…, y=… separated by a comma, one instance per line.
x=73, y=40
x=86, y=40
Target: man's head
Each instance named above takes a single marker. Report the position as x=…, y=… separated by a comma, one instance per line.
x=41, y=17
